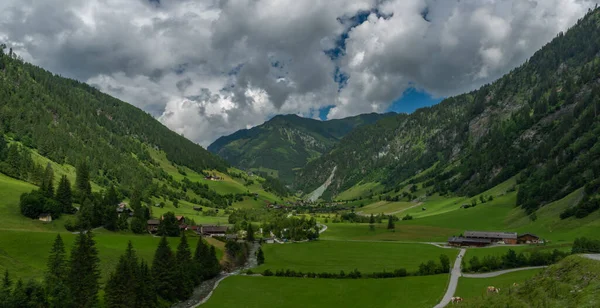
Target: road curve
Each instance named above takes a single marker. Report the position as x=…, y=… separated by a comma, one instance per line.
x=592, y=256
x=498, y=273
x=454, y=275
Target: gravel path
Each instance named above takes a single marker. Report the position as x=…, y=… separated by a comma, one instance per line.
x=498, y=273
x=456, y=272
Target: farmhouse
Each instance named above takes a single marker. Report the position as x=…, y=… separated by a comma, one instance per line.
x=495, y=237
x=528, y=238
x=463, y=241
x=212, y=231
x=45, y=217
x=153, y=225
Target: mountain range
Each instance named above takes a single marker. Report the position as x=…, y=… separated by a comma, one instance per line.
x=286, y=143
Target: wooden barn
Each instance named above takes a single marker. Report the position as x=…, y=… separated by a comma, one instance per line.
x=528, y=238
x=463, y=241
x=509, y=238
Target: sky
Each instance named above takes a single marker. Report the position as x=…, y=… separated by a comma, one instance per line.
x=206, y=68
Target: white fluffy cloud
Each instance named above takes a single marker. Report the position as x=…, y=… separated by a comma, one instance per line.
x=208, y=68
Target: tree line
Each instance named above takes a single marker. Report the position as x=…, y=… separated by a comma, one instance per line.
x=75, y=281
x=430, y=267
x=513, y=260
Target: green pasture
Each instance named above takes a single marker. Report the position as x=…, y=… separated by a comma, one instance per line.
x=386, y=207
x=359, y=190
x=403, y=232
x=336, y=256
x=502, y=250
x=24, y=254
x=259, y=292
x=470, y=288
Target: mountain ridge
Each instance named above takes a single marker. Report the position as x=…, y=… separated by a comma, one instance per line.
x=286, y=142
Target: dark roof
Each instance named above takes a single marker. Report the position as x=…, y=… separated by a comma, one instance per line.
x=530, y=234
x=491, y=234
x=455, y=239
x=154, y=222
x=214, y=229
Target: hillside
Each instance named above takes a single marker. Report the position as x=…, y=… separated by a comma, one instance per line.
x=47, y=120
x=540, y=122
x=286, y=142
x=570, y=283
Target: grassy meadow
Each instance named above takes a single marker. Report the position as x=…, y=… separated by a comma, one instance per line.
x=335, y=256
x=259, y=292
x=469, y=288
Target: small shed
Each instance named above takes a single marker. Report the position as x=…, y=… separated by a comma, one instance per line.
x=45, y=217
x=152, y=225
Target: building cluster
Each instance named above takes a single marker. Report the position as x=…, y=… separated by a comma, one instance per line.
x=485, y=238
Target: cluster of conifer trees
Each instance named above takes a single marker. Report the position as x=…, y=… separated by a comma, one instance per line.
x=75, y=281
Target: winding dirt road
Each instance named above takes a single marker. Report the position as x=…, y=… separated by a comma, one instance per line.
x=498, y=273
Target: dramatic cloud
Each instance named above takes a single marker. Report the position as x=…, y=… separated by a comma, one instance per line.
x=207, y=68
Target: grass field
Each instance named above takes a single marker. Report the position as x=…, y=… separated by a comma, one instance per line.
x=501, y=250
x=403, y=232
x=259, y=292
x=386, y=207
x=25, y=253
x=335, y=256
x=477, y=287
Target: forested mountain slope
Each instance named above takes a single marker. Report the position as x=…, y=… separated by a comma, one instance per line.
x=286, y=142
x=68, y=121
x=540, y=120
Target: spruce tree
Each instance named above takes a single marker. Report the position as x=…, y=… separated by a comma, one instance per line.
x=5, y=291
x=85, y=214
x=183, y=260
x=213, y=266
x=111, y=198
x=64, y=195
x=83, y=271
x=145, y=296
x=56, y=276
x=111, y=218
x=19, y=296
x=164, y=271
x=47, y=186
x=82, y=181
x=260, y=256
x=390, y=225
x=122, y=223
x=201, y=255
x=121, y=287
x=249, y=233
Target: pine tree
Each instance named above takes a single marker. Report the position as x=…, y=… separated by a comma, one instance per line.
x=390, y=225
x=136, y=200
x=122, y=223
x=82, y=181
x=19, y=296
x=83, y=271
x=372, y=219
x=111, y=198
x=164, y=271
x=169, y=226
x=111, y=218
x=85, y=214
x=213, y=266
x=183, y=259
x=47, y=186
x=121, y=287
x=5, y=291
x=56, y=275
x=145, y=296
x=201, y=255
x=36, y=296
x=249, y=233
x=260, y=256
x=64, y=195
